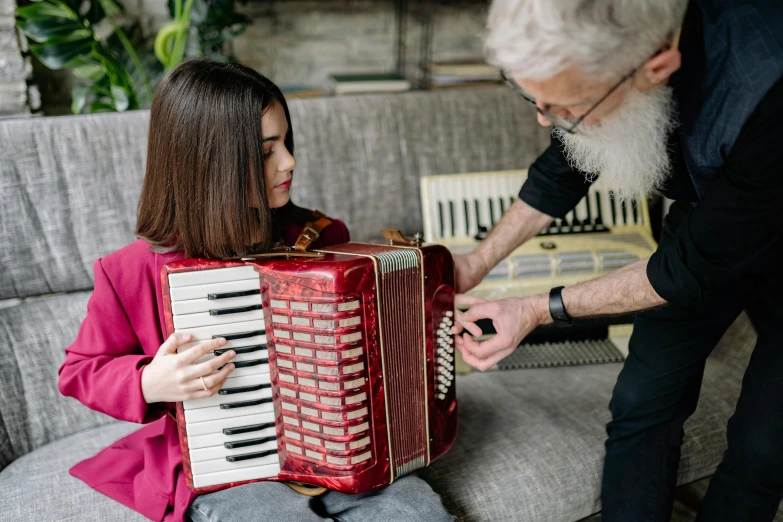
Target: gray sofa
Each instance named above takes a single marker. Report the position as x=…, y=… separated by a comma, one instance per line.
x=530, y=443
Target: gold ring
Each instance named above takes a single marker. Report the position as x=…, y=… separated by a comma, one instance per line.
x=203, y=383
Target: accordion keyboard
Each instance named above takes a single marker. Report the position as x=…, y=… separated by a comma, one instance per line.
x=231, y=435
x=601, y=234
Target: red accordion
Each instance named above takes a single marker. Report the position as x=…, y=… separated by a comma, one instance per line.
x=344, y=370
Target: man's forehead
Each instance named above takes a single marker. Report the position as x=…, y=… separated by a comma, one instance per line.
x=569, y=87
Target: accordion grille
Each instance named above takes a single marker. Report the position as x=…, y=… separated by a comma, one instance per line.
x=400, y=300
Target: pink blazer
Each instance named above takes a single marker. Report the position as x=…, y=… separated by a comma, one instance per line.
x=122, y=332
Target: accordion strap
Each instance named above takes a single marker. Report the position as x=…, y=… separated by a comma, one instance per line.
x=311, y=231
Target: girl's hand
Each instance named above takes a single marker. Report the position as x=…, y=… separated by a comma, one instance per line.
x=173, y=377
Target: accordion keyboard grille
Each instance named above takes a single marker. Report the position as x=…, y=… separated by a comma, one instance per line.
x=400, y=300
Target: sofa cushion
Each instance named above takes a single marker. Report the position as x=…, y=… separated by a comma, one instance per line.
x=38, y=486
x=33, y=334
x=529, y=449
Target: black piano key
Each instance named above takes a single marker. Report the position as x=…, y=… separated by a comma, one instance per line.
x=451, y=214
x=237, y=310
x=240, y=335
x=599, y=219
x=242, y=349
x=244, y=389
x=245, y=404
x=440, y=217
x=588, y=222
x=624, y=212
x=467, y=214
x=248, y=364
x=612, y=209
x=491, y=213
x=226, y=295
x=248, y=429
x=248, y=456
x=248, y=442
x=634, y=211
x=502, y=206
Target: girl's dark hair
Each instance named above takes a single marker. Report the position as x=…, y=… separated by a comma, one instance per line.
x=205, y=163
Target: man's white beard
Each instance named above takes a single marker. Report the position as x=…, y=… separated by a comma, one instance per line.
x=628, y=150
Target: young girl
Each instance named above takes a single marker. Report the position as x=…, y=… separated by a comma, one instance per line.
x=219, y=169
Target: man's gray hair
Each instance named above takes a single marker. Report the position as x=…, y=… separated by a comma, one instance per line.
x=537, y=39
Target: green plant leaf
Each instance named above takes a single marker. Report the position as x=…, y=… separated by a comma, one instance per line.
x=110, y=7
x=43, y=29
x=46, y=10
x=62, y=55
x=120, y=96
x=79, y=96
x=101, y=106
x=90, y=71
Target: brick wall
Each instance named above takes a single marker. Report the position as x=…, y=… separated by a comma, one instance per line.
x=15, y=69
x=300, y=42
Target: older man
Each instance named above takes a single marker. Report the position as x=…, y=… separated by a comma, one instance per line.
x=657, y=96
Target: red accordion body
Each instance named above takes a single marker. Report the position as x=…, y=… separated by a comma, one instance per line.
x=344, y=367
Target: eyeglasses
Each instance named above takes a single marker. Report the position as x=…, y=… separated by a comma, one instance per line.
x=554, y=119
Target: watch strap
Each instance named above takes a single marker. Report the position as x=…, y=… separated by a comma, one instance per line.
x=557, y=308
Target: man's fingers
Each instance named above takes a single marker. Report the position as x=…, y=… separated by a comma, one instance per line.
x=461, y=323
x=201, y=349
x=171, y=344
x=489, y=347
x=467, y=300
x=479, y=311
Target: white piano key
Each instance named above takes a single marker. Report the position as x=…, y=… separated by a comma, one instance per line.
x=218, y=439
x=215, y=412
x=236, y=475
x=209, y=427
x=234, y=343
x=194, y=306
x=213, y=466
x=202, y=291
x=206, y=319
x=218, y=399
x=215, y=275
x=261, y=369
x=221, y=452
x=205, y=333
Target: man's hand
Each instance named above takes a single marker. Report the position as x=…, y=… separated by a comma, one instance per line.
x=470, y=270
x=513, y=320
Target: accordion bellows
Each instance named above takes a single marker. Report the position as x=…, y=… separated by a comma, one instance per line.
x=344, y=373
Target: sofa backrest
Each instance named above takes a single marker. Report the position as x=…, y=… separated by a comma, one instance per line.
x=69, y=188
x=70, y=185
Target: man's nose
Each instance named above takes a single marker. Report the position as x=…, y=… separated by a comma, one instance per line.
x=543, y=120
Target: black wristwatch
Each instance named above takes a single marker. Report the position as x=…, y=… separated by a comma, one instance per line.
x=557, y=308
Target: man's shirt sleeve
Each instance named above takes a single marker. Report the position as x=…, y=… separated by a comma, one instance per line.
x=552, y=186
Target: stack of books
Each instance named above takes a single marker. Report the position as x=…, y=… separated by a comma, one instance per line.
x=301, y=91
x=462, y=74
x=368, y=83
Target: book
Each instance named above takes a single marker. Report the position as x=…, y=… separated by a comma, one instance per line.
x=452, y=74
x=301, y=91
x=368, y=83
